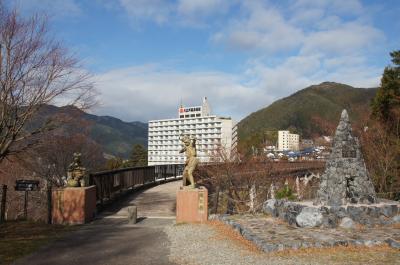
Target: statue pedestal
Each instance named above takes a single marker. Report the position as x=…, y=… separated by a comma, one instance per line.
x=73, y=205
x=192, y=205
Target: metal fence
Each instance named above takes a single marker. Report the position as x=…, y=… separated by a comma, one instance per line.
x=113, y=182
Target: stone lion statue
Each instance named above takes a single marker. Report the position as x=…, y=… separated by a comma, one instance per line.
x=76, y=172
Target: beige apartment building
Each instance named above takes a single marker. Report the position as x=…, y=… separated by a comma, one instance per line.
x=288, y=141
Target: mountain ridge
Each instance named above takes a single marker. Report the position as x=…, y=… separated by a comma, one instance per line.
x=306, y=110
x=117, y=137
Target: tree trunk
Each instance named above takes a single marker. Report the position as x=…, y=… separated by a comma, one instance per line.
x=216, y=200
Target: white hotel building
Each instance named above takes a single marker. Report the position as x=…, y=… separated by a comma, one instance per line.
x=211, y=133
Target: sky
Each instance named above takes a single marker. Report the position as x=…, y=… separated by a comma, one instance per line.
x=149, y=56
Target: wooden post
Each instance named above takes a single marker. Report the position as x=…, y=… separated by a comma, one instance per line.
x=3, y=204
x=26, y=206
x=49, y=202
x=132, y=214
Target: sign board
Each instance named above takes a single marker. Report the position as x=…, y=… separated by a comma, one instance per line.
x=201, y=201
x=26, y=185
x=349, y=153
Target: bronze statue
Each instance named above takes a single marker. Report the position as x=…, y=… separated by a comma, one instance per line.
x=189, y=146
x=76, y=172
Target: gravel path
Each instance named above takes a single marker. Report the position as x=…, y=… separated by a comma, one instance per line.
x=209, y=245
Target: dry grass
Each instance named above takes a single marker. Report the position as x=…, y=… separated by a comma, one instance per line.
x=20, y=238
x=343, y=255
x=351, y=255
x=225, y=232
x=335, y=250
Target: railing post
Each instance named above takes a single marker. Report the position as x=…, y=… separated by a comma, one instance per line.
x=49, y=201
x=26, y=206
x=175, y=166
x=3, y=203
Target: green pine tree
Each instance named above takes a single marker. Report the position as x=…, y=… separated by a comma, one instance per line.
x=386, y=104
x=138, y=156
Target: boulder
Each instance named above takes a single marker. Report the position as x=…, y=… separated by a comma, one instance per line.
x=309, y=217
x=347, y=223
x=388, y=210
x=396, y=219
x=338, y=211
x=393, y=243
x=269, y=207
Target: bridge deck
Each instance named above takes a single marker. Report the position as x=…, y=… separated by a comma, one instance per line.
x=156, y=202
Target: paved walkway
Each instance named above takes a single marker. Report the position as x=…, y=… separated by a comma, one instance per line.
x=110, y=240
x=157, y=202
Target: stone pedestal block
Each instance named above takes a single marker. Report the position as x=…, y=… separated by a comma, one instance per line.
x=192, y=205
x=73, y=205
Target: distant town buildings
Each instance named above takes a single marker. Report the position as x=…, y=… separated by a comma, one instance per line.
x=288, y=141
x=212, y=134
x=306, y=143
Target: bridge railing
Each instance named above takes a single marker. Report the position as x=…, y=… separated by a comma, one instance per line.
x=113, y=182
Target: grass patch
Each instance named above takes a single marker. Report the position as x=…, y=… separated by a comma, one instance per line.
x=350, y=255
x=20, y=238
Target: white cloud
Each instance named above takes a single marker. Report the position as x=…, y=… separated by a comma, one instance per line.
x=308, y=26
x=183, y=12
x=151, y=92
x=347, y=38
x=352, y=7
x=202, y=7
x=307, y=16
x=263, y=29
x=300, y=71
x=155, y=10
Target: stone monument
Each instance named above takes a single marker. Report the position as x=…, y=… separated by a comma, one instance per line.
x=346, y=194
x=191, y=202
x=346, y=179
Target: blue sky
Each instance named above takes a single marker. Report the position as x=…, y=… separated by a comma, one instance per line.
x=146, y=56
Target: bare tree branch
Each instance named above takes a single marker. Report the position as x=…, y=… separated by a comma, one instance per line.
x=35, y=70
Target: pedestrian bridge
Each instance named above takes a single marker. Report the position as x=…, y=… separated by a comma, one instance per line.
x=153, y=188
x=113, y=184
x=110, y=239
